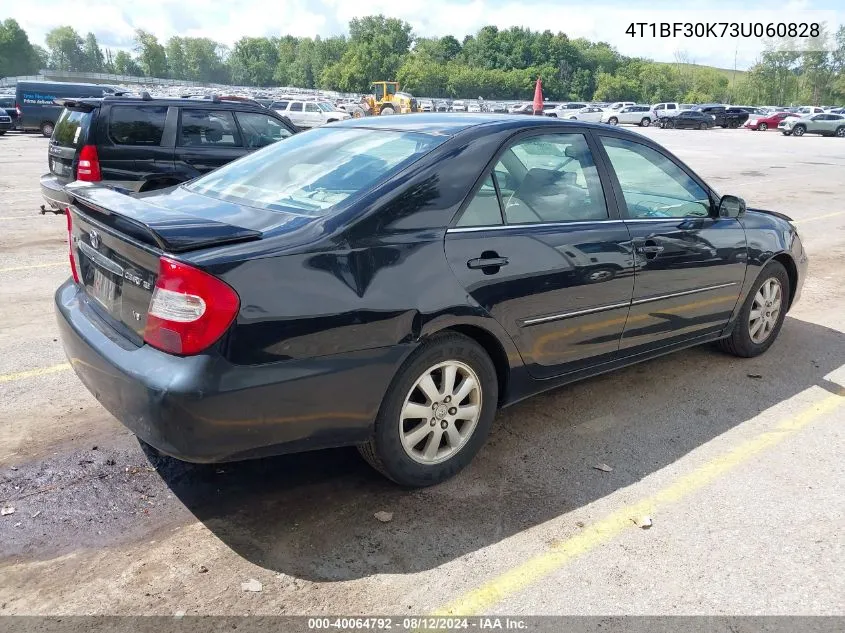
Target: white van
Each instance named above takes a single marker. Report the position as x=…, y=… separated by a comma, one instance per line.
x=665, y=109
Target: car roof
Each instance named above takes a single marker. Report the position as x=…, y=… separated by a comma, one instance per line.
x=446, y=124
x=174, y=101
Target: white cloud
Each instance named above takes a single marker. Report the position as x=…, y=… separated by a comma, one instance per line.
x=114, y=21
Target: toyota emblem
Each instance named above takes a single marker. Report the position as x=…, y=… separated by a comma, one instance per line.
x=94, y=238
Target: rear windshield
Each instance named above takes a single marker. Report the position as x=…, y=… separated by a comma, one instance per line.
x=314, y=172
x=72, y=128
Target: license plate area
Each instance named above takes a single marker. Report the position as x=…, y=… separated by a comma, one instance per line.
x=105, y=289
x=59, y=167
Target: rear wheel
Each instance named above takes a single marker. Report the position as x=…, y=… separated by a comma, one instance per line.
x=47, y=129
x=840, y=131
x=670, y=124
x=763, y=126
x=387, y=110
x=645, y=122
x=762, y=314
x=798, y=130
x=436, y=414
x=2, y=132
x=613, y=120
x=787, y=133
x=702, y=126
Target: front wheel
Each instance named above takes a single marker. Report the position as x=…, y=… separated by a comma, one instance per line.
x=436, y=414
x=840, y=131
x=613, y=120
x=386, y=111
x=702, y=126
x=645, y=122
x=785, y=133
x=798, y=130
x=762, y=314
x=763, y=127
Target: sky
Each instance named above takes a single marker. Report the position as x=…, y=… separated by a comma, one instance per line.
x=114, y=21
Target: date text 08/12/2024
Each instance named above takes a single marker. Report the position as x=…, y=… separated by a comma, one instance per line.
x=724, y=29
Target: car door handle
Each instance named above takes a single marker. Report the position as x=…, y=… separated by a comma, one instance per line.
x=489, y=262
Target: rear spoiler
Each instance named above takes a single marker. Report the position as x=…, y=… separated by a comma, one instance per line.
x=166, y=229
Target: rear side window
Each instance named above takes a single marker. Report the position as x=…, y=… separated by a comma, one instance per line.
x=260, y=129
x=72, y=128
x=137, y=125
x=279, y=105
x=208, y=128
x=296, y=106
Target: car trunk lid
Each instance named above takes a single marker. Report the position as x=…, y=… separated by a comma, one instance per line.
x=117, y=240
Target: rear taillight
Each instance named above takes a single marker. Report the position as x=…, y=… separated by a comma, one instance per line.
x=18, y=109
x=88, y=167
x=70, y=245
x=190, y=309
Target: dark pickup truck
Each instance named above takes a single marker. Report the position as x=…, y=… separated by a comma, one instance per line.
x=725, y=116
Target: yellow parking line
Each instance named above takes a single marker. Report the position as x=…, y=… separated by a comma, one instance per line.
x=819, y=217
x=33, y=373
x=50, y=265
x=515, y=580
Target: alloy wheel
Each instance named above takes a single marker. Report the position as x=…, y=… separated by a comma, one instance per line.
x=840, y=132
x=765, y=310
x=798, y=131
x=440, y=413
x=763, y=127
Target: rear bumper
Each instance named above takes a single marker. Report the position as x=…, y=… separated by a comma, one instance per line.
x=52, y=190
x=204, y=409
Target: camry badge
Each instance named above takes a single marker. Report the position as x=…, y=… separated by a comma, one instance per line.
x=94, y=238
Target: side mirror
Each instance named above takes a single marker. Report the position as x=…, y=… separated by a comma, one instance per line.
x=731, y=207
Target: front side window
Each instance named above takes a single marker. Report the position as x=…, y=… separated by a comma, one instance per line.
x=549, y=178
x=260, y=129
x=313, y=174
x=137, y=125
x=311, y=107
x=296, y=106
x=208, y=128
x=653, y=186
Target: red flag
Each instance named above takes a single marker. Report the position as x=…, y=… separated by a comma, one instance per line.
x=538, y=97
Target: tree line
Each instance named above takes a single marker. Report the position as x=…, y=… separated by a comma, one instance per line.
x=492, y=64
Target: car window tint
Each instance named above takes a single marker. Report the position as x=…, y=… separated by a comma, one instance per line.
x=550, y=178
x=208, y=128
x=311, y=107
x=280, y=105
x=671, y=106
x=484, y=209
x=137, y=125
x=260, y=129
x=296, y=106
x=654, y=186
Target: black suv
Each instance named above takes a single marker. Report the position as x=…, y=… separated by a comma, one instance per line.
x=141, y=144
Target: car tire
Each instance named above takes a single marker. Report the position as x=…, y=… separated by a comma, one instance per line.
x=645, y=122
x=744, y=340
x=386, y=111
x=391, y=450
x=47, y=129
x=785, y=133
x=763, y=127
x=840, y=131
x=670, y=125
x=613, y=120
x=2, y=132
x=702, y=126
x=798, y=130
